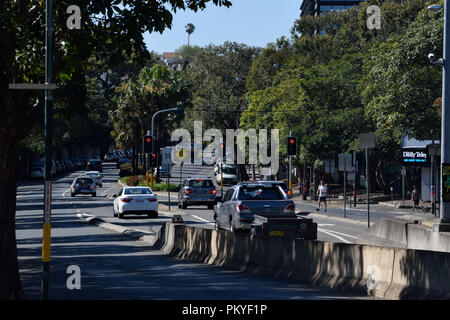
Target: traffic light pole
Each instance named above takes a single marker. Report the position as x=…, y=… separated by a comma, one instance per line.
x=45, y=281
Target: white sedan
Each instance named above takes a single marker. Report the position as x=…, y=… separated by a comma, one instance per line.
x=96, y=176
x=135, y=200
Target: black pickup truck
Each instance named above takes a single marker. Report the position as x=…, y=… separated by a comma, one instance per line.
x=263, y=209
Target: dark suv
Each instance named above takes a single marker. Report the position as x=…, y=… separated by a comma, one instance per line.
x=197, y=191
x=94, y=165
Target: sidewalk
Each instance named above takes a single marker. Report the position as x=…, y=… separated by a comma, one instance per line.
x=385, y=206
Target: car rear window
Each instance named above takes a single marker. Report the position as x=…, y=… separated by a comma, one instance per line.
x=84, y=180
x=201, y=183
x=138, y=191
x=93, y=174
x=260, y=193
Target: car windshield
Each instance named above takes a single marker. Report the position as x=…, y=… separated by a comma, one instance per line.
x=131, y=191
x=260, y=193
x=84, y=180
x=201, y=183
x=229, y=170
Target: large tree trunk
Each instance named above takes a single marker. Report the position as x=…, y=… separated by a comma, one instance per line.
x=10, y=285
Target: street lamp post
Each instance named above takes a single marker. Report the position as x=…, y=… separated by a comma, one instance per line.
x=152, y=134
x=444, y=225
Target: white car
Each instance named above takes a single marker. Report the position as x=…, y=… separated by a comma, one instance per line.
x=135, y=200
x=96, y=176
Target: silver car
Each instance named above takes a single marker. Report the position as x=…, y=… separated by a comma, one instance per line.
x=83, y=185
x=197, y=191
x=237, y=210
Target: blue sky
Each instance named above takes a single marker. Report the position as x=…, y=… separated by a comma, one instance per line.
x=253, y=22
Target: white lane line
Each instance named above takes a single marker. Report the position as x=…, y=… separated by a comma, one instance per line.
x=333, y=235
x=201, y=219
x=63, y=194
x=325, y=224
x=342, y=234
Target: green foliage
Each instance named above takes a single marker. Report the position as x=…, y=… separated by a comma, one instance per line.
x=217, y=85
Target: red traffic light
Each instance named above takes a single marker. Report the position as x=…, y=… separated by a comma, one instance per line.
x=292, y=141
x=148, y=139
x=154, y=155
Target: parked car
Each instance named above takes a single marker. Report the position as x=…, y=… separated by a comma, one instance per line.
x=59, y=168
x=237, y=210
x=121, y=161
x=109, y=157
x=96, y=176
x=79, y=163
x=37, y=172
x=135, y=200
x=83, y=185
x=197, y=191
x=94, y=165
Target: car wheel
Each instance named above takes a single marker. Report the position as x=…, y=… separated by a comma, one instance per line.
x=121, y=215
x=179, y=205
x=184, y=205
x=114, y=212
x=210, y=206
x=72, y=194
x=94, y=194
x=232, y=227
x=101, y=185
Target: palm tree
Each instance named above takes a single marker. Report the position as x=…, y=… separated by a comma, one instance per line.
x=190, y=28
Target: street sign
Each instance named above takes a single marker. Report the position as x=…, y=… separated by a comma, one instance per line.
x=344, y=161
x=367, y=140
x=166, y=155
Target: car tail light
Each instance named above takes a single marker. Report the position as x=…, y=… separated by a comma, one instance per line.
x=242, y=208
x=213, y=191
x=290, y=208
x=95, y=187
x=188, y=191
x=125, y=200
x=152, y=199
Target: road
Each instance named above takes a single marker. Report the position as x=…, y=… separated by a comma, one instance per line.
x=114, y=267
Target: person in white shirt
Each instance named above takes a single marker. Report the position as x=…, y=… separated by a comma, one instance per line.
x=322, y=194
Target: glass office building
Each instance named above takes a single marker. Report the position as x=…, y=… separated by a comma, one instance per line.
x=319, y=7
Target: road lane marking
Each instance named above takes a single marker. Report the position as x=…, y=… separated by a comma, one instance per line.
x=201, y=219
x=342, y=234
x=325, y=224
x=333, y=235
x=63, y=194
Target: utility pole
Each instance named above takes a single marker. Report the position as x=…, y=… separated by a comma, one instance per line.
x=368, y=188
x=45, y=281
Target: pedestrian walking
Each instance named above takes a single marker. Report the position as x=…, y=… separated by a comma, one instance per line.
x=415, y=198
x=322, y=195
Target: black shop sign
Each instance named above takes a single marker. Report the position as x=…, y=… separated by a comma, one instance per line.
x=415, y=157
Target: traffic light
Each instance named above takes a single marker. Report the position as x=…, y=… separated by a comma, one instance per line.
x=153, y=160
x=292, y=146
x=148, y=144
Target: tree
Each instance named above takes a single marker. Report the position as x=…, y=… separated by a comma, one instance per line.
x=190, y=28
x=217, y=85
x=107, y=31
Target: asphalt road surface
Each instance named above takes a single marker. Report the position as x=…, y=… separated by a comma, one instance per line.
x=114, y=267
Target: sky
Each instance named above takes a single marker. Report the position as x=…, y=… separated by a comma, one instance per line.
x=253, y=22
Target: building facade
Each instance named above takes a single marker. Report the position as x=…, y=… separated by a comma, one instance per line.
x=319, y=7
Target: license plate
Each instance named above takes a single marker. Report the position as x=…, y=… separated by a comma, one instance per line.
x=200, y=191
x=276, y=233
x=140, y=201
